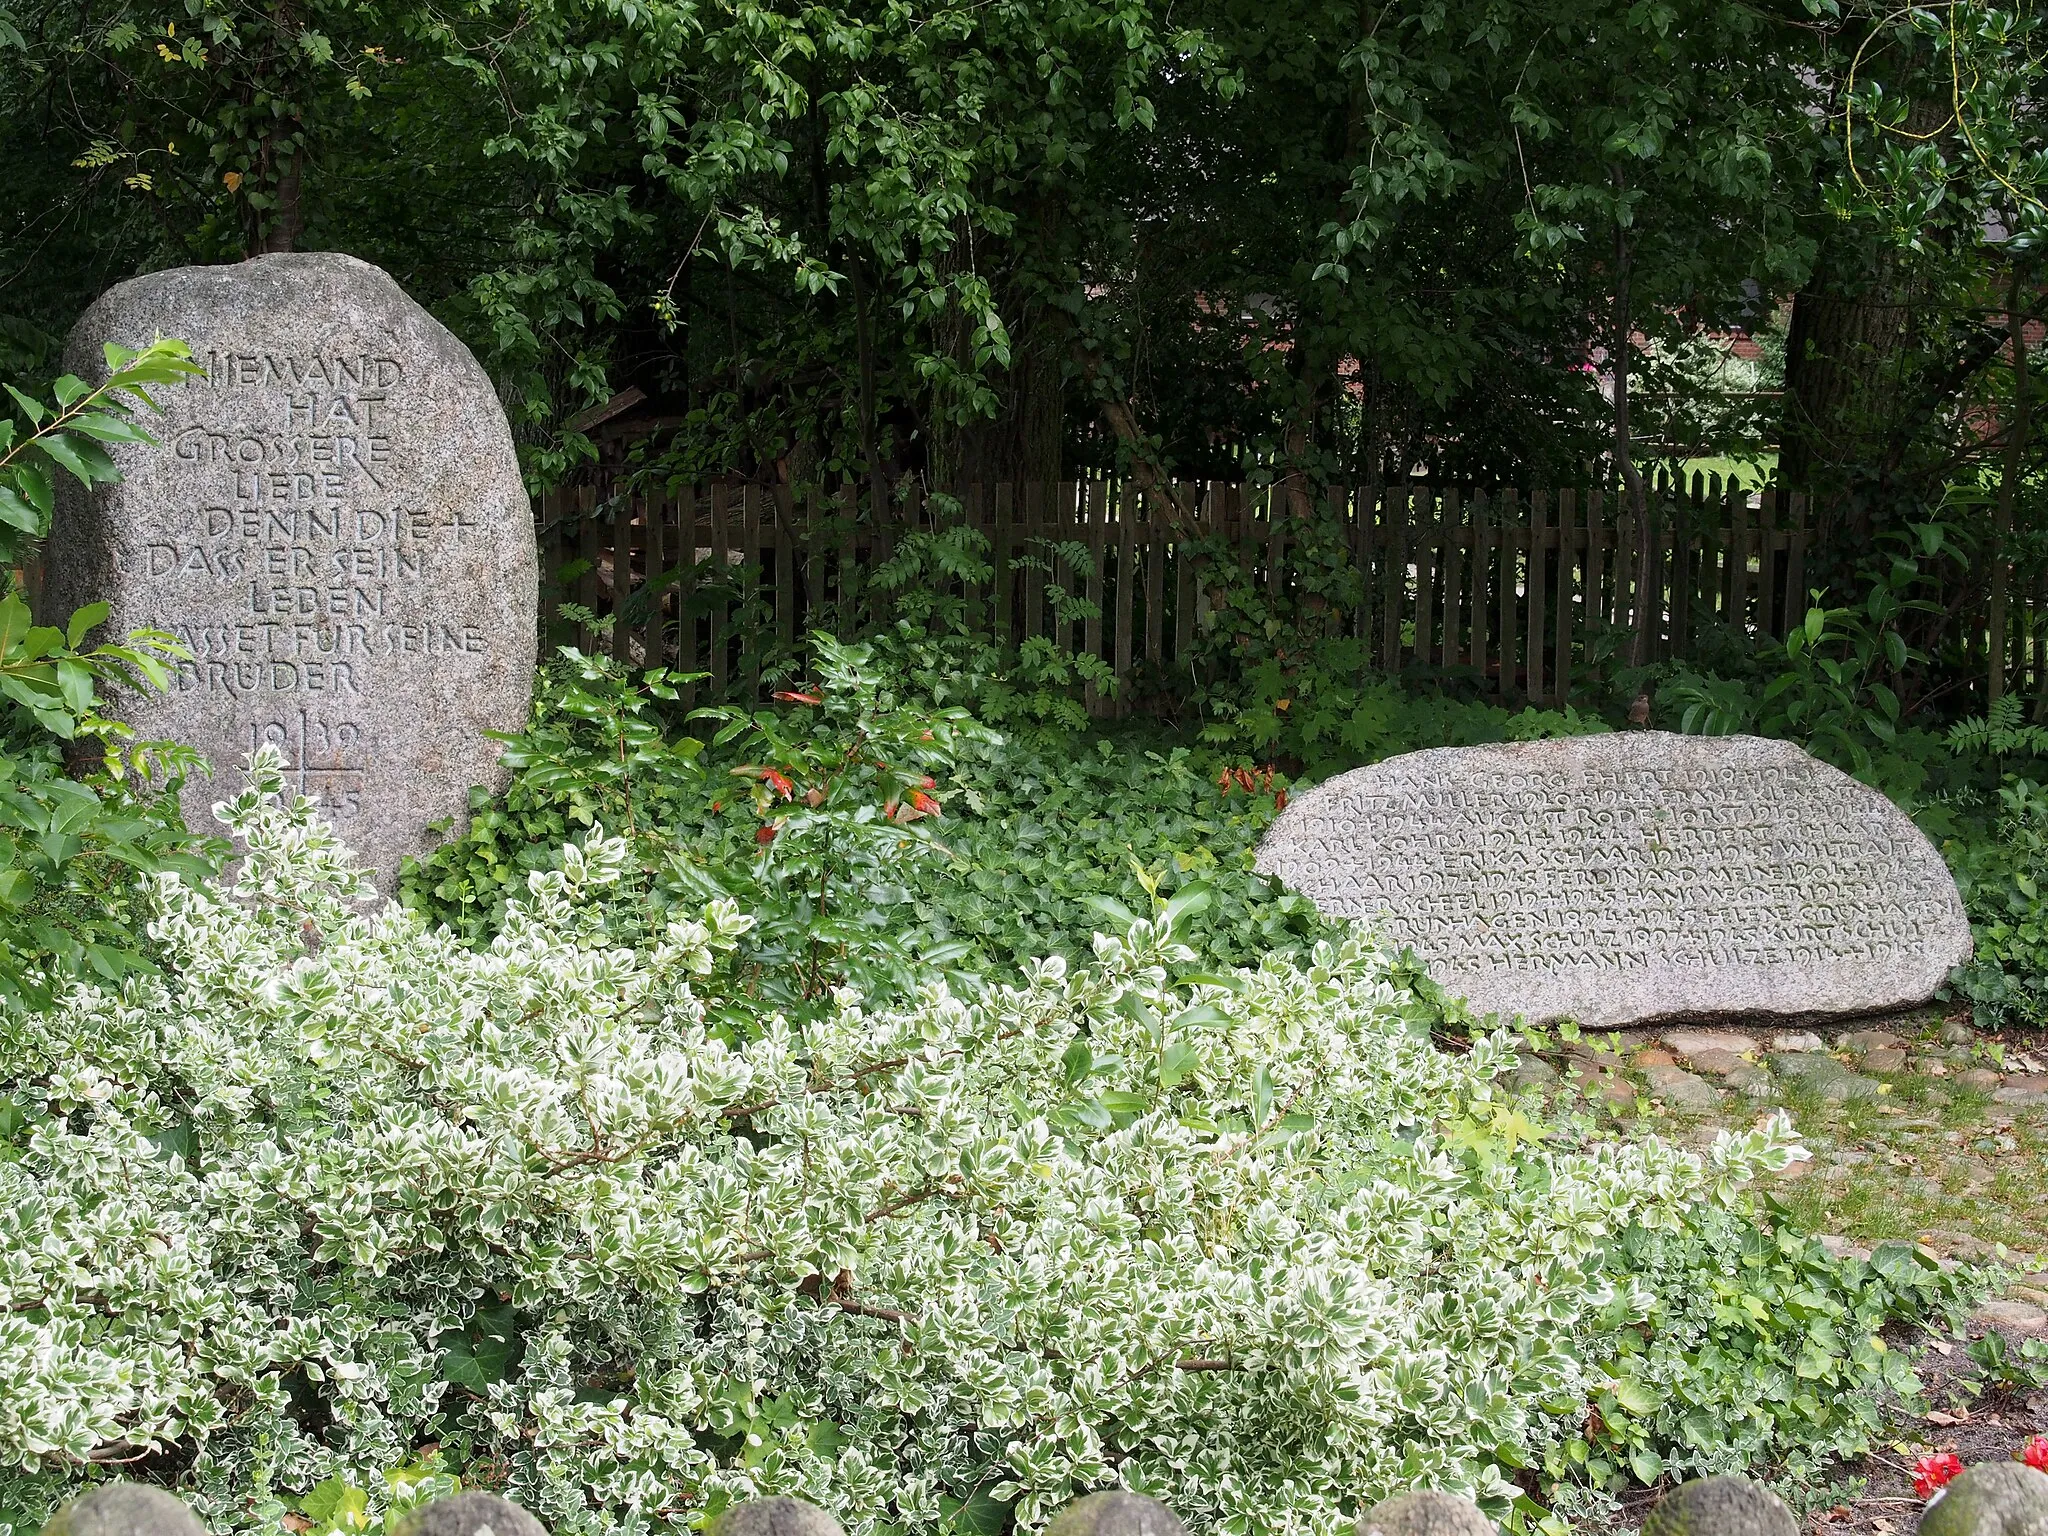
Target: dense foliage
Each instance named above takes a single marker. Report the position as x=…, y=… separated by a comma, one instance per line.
x=870, y=828
x=960, y=242
x=890, y=1091
x=335, y=1188
x=85, y=809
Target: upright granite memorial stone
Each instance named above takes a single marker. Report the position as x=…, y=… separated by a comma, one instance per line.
x=1613, y=879
x=334, y=525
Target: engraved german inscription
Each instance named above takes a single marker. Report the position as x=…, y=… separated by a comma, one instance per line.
x=1628, y=877
x=335, y=529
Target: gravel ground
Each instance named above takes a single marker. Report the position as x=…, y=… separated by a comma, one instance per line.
x=1920, y=1129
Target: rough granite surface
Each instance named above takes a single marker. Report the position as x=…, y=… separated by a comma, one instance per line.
x=124, y=1509
x=471, y=1512
x=1721, y=1506
x=775, y=1516
x=334, y=525
x=1116, y=1512
x=1993, y=1498
x=1424, y=1514
x=1616, y=879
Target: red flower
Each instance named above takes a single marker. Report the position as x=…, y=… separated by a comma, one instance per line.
x=801, y=698
x=779, y=782
x=1933, y=1472
x=923, y=803
x=764, y=835
x=1224, y=781
x=1245, y=781
x=1280, y=800
x=2035, y=1453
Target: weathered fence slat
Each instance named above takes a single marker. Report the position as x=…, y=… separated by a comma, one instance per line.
x=1562, y=599
x=1482, y=553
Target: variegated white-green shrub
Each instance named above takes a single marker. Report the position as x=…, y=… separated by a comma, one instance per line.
x=335, y=1186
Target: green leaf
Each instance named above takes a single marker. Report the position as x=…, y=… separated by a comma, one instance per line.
x=484, y=1352
x=980, y=1514
x=1187, y=901
x=1177, y=1063
x=109, y=429
x=84, y=458
x=14, y=623
x=1635, y=1397
x=75, y=682
x=17, y=512
x=32, y=483
x=1112, y=909
x=31, y=407
x=83, y=622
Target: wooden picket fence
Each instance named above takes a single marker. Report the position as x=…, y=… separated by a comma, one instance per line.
x=1513, y=590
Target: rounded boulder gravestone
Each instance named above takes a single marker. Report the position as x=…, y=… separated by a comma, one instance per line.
x=333, y=524
x=1613, y=879
x=124, y=1509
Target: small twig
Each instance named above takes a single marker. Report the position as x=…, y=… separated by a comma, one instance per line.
x=862, y=1309
x=905, y=1203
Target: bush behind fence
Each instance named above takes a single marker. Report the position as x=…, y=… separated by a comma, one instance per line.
x=1515, y=591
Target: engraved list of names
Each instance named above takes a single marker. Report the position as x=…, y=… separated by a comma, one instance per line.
x=1619, y=878
x=334, y=528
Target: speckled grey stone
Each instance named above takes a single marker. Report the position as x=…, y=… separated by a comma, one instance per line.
x=1749, y=1080
x=1116, y=1513
x=470, y=1513
x=1720, y=1506
x=1424, y=1514
x=1822, y=1076
x=1532, y=1072
x=775, y=1517
x=124, y=1509
x=334, y=524
x=1620, y=878
x=1993, y=1498
x=2008, y=1312
x=1694, y=1042
x=1682, y=1091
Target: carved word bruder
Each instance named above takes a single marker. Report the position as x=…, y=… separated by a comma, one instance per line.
x=334, y=527
x=1613, y=879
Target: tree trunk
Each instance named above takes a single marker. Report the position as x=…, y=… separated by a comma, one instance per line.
x=1646, y=601
x=2008, y=487
x=288, y=219
x=1166, y=500
x=1841, y=363
x=1026, y=439
x=1851, y=334
x=1300, y=438
x=279, y=160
